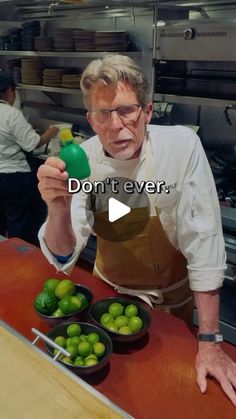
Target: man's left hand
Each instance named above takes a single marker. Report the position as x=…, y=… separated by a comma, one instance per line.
x=212, y=360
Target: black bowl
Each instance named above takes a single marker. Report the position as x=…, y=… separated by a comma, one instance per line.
x=101, y=307
x=77, y=315
x=86, y=328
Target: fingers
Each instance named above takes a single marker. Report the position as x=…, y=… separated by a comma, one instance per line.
x=53, y=168
x=202, y=378
x=227, y=388
x=52, y=180
x=232, y=375
x=52, y=131
x=222, y=368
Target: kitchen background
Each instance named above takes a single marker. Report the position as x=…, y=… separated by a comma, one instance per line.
x=187, y=49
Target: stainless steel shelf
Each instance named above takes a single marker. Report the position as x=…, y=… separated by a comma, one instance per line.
x=41, y=88
x=73, y=54
x=189, y=100
x=54, y=108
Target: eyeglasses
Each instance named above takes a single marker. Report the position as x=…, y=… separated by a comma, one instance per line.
x=127, y=113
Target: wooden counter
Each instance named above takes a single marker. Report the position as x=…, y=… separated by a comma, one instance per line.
x=153, y=378
x=41, y=389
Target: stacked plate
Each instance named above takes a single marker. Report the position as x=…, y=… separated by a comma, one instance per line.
x=29, y=31
x=111, y=41
x=31, y=71
x=71, y=81
x=63, y=40
x=43, y=43
x=52, y=77
x=84, y=40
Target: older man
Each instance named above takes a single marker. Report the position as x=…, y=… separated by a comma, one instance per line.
x=182, y=243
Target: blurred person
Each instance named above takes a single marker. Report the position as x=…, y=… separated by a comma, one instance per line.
x=181, y=252
x=18, y=184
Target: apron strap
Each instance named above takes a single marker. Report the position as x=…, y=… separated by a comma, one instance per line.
x=152, y=296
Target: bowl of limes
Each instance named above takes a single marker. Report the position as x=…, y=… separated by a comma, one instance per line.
x=61, y=301
x=124, y=319
x=89, y=346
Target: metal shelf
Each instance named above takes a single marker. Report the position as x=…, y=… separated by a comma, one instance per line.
x=189, y=100
x=41, y=88
x=72, y=54
x=55, y=108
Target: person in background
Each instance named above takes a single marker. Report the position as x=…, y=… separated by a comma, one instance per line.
x=17, y=182
x=181, y=252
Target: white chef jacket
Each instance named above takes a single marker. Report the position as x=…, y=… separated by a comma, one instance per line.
x=16, y=134
x=189, y=214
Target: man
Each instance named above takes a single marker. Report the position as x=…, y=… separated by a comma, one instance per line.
x=184, y=232
x=17, y=182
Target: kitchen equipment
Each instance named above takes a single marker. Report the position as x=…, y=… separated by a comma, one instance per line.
x=196, y=58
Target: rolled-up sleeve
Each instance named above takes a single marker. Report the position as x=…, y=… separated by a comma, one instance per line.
x=199, y=227
x=82, y=221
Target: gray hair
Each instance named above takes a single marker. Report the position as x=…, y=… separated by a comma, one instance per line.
x=111, y=69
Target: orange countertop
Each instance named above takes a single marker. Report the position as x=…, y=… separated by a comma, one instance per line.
x=152, y=378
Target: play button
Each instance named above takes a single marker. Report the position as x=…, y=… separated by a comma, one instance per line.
x=116, y=214
x=117, y=210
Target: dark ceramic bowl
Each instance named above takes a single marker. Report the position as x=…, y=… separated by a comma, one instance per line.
x=100, y=307
x=86, y=328
x=77, y=315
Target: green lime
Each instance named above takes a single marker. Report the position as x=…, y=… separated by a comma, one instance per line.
x=79, y=361
x=69, y=304
x=45, y=302
x=112, y=327
x=75, y=340
x=135, y=324
x=106, y=319
x=116, y=309
x=67, y=360
x=91, y=356
x=73, y=350
x=90, y=362
x=73, y=330
x=51, y=284
x=68, y=341
x=99, y=349
x=60, y=340
x=125, y=330
x=93, y=338
x=65, y=288
x=83, y=338
x=121, y=321
x=131, y=310
x=83, y=299
x=84, y=348
x=58, y=313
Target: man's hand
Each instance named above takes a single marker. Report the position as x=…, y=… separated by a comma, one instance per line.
x=53, y=186
x=212, y=360
x=59, y=235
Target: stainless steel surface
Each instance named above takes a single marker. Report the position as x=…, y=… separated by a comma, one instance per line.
x=61, y=54
x=49, y=89
x=202, y=101
x=210, y=41
x=50, y=342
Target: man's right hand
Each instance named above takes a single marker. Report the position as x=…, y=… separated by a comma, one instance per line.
x=53, y=186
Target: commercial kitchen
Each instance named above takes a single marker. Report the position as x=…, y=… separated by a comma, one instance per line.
x=186, y=49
